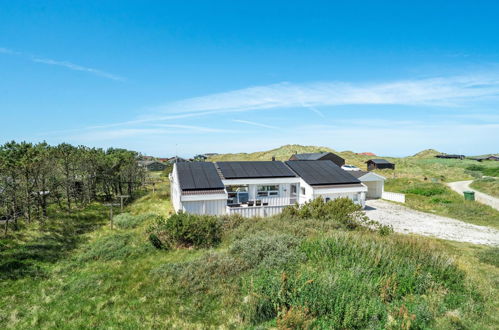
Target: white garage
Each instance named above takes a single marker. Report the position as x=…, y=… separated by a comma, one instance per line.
x=375, y=183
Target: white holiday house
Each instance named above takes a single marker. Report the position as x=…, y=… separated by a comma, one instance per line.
x=258, y=188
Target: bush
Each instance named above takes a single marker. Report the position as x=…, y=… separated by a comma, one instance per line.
x=360, y=281
x=342, y=211
x=268, y=251
x=129, y=221
x=186, y=230
x=201, y=274
x=115, y=247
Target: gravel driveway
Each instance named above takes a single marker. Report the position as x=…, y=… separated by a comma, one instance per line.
x=405, y=220
x=461, y=186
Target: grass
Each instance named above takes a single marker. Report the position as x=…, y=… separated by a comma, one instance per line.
x=438, y=199
x=272, y=272
x=420, y=166
x=487, y=185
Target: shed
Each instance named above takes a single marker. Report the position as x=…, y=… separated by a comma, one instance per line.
x=444, y=156
x=320, y=156
x=375, y=183
x=379, y=164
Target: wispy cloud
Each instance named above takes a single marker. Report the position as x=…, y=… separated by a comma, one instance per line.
x=443, y=91
x=252, y=123
x=64, y=64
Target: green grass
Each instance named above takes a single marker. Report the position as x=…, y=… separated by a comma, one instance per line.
x=272, y=272
x=420, y=166
x=438, y=199
x=487, y=185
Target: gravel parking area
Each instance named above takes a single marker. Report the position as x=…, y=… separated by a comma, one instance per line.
x=405, y=220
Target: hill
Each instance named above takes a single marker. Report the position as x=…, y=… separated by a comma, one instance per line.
x=281, y=153
x=428, y=153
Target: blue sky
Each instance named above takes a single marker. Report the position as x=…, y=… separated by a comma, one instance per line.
x=188, y=77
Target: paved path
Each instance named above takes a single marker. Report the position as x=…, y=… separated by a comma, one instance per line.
x=405, y=220
x=461, y=186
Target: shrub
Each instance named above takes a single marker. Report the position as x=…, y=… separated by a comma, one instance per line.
x=115, y=247
x=186, y=230
x=268, y=251
x=361, y=281
x=128, y=221
x=342, y=211
x=200, y=274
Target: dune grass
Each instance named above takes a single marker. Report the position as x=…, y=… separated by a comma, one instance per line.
x=487, y=185
x=272, y=272
x=438, y=199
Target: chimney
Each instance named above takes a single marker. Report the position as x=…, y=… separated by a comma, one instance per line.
x=273, y=158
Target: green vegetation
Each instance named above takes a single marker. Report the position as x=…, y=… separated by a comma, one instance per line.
x=422, y=165
x=438, y=199
x=321, y=265
x=304, y=268
x=186, y=230
x=487, y=185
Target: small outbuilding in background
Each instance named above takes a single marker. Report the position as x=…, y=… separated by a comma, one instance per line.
x=320, y=156
x=380, y=164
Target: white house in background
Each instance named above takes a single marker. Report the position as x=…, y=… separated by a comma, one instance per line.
x=258, y=188
x=375, y=183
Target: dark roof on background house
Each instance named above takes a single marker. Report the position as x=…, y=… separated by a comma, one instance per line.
x=310, y=156
x=198, y=176
x=254, y=169
x=357, y=174
x=321, y=172
x=379, y=161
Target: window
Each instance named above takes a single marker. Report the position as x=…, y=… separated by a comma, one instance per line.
x=303, y=191
x=233, y=190
x=265, y=191
x=328, y=199
x=293, y=189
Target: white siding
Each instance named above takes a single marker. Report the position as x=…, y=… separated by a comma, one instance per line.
x=210, y=207
x=374, y=188
x=175, y=189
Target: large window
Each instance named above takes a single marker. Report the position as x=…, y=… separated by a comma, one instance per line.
x=233, y=190
x=265, y=191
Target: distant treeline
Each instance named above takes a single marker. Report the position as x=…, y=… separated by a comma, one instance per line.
x=32, y=176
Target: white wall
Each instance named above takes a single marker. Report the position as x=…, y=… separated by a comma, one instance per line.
x=210, y=207
x=175, y=189
x=374, y=188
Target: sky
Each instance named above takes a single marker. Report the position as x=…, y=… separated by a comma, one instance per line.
x=189, y=77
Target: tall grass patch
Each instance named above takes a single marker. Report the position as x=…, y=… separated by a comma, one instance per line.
x=186, y=230
x=361, y=281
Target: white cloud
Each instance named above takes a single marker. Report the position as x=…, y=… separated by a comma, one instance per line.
x=449, y=91
x=77, y=67
x=64, y=64
x=252, y=123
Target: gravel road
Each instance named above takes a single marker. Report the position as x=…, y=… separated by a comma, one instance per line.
x=405, y=220
x=461, y=186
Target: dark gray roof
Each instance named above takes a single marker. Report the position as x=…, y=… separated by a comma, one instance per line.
x=379, y=161
x=198, y=176
x=357, y=174
x=321, y=172
x=310, y=156
x=248, y=170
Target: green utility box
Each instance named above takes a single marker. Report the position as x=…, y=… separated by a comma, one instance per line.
x=469, y=195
